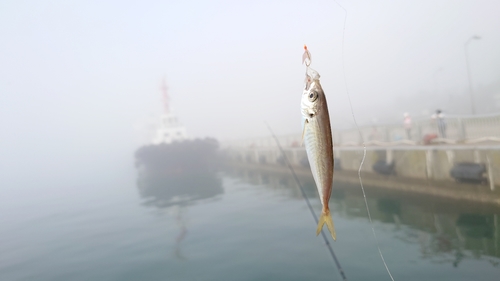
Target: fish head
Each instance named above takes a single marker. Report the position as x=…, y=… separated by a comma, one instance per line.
x=313, y=97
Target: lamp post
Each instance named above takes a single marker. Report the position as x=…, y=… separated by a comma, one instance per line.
x=471, y=90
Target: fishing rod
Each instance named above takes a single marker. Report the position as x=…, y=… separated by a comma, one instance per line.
x=325, y=238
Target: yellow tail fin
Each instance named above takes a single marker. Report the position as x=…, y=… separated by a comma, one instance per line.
x=326, y=218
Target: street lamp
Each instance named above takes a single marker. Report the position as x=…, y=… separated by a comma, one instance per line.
x=468, y=72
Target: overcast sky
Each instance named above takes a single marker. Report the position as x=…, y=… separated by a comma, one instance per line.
x=79, y=76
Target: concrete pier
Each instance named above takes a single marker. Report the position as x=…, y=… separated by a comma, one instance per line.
x=432, y=162
x=418, y=169
x=419, y=162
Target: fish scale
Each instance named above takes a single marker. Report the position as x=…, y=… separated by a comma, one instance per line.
x=312, y=144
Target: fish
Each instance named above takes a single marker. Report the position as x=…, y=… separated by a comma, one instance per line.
x=317, y=138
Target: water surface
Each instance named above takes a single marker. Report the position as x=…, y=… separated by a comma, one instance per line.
x=237, y=225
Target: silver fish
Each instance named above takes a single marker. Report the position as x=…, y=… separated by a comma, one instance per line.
x=317, y=137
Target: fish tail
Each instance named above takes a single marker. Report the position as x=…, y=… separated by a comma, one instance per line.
x=326, y=218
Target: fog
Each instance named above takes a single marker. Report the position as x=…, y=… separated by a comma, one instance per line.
x=81, y=80
x=85, y=195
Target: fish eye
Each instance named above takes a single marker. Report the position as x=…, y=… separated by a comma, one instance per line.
x=313, y=96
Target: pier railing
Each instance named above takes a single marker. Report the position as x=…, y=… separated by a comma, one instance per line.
x=459, y=129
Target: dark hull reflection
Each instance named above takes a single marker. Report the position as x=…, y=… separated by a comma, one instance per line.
x=166, y=191
x=446, y=230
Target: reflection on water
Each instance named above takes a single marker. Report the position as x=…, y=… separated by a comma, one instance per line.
x=181, y=190
x=446, y=231
x=176, y=192
x=240, y=225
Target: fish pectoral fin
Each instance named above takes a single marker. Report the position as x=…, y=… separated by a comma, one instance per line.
x=326, y=218
x=303, y=133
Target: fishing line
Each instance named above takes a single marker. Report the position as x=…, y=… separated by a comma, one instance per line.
x=364, y=146
x=337, y=263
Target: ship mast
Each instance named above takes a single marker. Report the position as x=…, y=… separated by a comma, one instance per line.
x=169, y=129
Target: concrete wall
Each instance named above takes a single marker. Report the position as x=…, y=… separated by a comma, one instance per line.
x=433, y=162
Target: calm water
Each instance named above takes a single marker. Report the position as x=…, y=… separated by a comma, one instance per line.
x=236, y=225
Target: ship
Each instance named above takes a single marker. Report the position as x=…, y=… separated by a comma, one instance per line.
x=172, y=153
